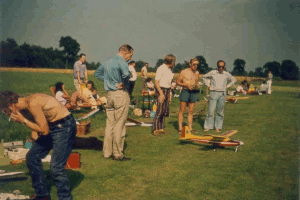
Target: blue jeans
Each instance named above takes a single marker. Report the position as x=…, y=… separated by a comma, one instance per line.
x=216, y=99
x=61, y=139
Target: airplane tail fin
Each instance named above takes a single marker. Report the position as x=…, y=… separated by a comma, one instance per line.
x=185, y=133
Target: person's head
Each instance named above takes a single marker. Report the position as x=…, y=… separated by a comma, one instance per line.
x=90, y=85
x=7, y=100
x=59, y=86
x=82, y=57
x=146, y=65
x=132, y=63
x=126, y=51
x=148, y=80
x=194, y=62
x=270, y=72
x=170, y=60
x=221, y=65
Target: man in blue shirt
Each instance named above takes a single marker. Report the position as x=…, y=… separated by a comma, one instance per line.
x=217, y=85
x=115, y=74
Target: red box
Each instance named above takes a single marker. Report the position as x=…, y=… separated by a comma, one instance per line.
x=73, y=161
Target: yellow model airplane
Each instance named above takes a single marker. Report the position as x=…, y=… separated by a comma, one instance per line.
x=215, y=140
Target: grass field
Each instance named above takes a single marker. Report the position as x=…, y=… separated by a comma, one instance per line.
x=266, y=167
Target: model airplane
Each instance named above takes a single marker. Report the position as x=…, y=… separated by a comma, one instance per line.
x=134, y=122
x=215, y=140
x=3, y=173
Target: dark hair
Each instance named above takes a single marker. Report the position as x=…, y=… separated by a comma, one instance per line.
x=131, y=62
x=7, y=98
x=58, y=87
x=145, y=63
x=222, y=62
x=148, y=79
x=264, y=82
x=93, y=85
x=82, y=54
x=126, y=47
x=169, y=59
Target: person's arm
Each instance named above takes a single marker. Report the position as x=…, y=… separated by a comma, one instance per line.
x=35, y=108
x=161, y=97
x=99, y=73
x=206, y=78
x=86, y=75
x=78, y=77
x=65, y=92
x=232, y=82
x=125, y=74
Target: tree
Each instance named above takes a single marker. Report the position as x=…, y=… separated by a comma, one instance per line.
x=289, y=70
x=71, y=47
x=139, y=65
x=274, y=67
x=159, y=62
x=178, y=67
x=239, y=67
x=7, y=48
x=258, y=72
x=251, y=74
x=203, y=66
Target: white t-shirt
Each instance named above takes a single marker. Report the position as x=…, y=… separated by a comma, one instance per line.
x=144, y=71
x=263, y=87
x=164, y=75
x=132, y=72
x=239, y=88
x=59, y=97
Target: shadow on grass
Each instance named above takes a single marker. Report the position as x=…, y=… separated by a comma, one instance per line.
x=13, y=179
x=204, y=147
x=88, y=143
x=75, y=178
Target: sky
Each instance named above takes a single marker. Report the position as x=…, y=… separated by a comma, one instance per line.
x=257, y=31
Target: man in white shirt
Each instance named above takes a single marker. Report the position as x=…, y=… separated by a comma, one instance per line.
x=269, y=82
x=264, y=87
x=144, y=72
x=218, y=85
x=163, y=80
x=80, y=72
x=133, y=76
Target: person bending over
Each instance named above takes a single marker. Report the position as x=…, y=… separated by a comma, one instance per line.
x=53, y=128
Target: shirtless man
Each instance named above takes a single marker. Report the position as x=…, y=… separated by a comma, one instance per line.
x=188, y=79
x=53, y=127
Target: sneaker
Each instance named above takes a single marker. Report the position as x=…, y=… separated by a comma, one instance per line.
x=235, y=100
x=155, y=133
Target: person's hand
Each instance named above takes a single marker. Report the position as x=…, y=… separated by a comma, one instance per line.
x=161, y=98
x=17, y=117
x=120, y=86
x=86, y=81
x=34, y=135
x=80, y=81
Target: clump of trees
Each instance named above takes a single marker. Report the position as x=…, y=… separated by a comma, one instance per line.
x=25, y=55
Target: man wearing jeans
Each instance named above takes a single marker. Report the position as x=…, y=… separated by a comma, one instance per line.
x=217, y=85
x=115, y=74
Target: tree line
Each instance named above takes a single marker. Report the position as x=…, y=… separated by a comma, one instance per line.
x=25, y=55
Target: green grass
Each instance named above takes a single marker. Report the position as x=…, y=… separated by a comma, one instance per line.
x=266, y=167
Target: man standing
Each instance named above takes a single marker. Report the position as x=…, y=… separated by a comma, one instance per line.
x=189, y=80
x=163, y=80
x=80, y=72
x=269, y=82
x=115, y=74
x=131, y=66
x=218, y=85
x=144, y=72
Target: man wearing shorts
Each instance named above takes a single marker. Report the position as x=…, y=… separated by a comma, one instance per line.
x=188, y=79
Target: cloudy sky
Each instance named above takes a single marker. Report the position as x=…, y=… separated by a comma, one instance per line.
x=257, y=31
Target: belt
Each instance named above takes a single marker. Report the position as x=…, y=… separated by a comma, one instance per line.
x=216, y=91
x=164, y=88
x=60, y=121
